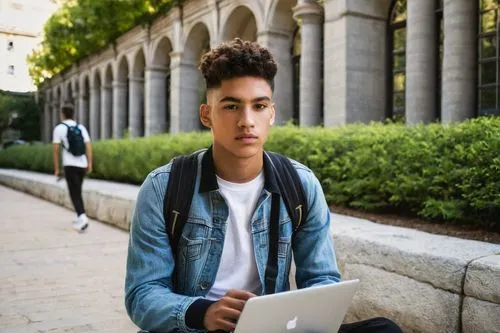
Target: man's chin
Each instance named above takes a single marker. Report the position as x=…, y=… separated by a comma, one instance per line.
x=247, y=151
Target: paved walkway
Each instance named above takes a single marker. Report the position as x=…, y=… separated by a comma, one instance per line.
x=53, y=279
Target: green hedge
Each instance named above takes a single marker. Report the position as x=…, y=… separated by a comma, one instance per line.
x=439, y=172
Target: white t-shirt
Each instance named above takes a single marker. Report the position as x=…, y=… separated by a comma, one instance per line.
x=60, y=136
x=238, y=268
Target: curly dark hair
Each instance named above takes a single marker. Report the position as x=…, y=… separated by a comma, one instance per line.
x=237, y=58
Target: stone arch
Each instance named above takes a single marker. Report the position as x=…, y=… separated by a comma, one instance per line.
x=161, y=63
x=97, y=79
x=281, y=15
x=121, y=97
x=108, y=75
x=280, y=36
x=91, y=102
x=76, y=93
x=106, y=102
x=161, y=53
x=136, y=100
x=59, y=94
x=240, y=23
x=197, y=43
x=68, y=93
x=122, y=69
x=83, y=107
x=138, y=64
x=56, y=104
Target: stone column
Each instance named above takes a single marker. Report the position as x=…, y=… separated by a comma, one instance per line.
x=95, y=106
x=311, y=59
x=459, y=61
x=76, y=105
x=185, y=95
x=278, y=42
x=421, y=62
x=56, y=118
x=83, y=111
x=354, y=62
x=119, y=109
x=106, y=111
x=136, y=102
x=47, y=123
x=155, y=100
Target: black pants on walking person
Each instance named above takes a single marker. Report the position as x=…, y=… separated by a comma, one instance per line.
x=74, y=179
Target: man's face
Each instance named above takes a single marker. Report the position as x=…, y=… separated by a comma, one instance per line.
x=240, y=113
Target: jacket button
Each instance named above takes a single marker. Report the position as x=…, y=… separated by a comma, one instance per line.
x=203, y=285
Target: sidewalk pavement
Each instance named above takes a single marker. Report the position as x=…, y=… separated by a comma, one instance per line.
x=53, y=279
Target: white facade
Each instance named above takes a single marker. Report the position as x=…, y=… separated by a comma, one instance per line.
x=21, y=24
x=350, y=53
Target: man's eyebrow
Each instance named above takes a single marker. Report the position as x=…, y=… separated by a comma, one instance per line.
x=237, y=100
x=230, y=99
x=261, y=99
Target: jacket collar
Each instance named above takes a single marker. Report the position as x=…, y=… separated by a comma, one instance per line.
x=208, y=180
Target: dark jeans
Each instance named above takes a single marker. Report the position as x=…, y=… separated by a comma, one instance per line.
x=74, y=178
x=374, y=325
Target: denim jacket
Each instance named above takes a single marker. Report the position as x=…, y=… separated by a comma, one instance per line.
x=155, y=304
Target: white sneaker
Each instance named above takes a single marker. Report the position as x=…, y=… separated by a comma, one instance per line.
x=81, y=223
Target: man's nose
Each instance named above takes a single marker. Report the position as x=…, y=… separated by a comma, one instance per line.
x=246, y=117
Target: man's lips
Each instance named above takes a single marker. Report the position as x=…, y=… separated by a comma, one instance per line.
x=246, y=137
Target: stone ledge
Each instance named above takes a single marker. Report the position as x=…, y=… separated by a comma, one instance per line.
x=438, y=260
x=415, y=278
x=420, y=306
x=480, y=316
x=482, y=280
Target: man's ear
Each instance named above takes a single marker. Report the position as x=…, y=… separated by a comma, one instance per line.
x=205, y=115
x=273, y=115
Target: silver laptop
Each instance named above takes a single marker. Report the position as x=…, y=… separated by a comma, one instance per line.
x=311, y=310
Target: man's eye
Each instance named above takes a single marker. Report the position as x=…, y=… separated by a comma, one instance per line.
x=230, y=107
x=260, y=106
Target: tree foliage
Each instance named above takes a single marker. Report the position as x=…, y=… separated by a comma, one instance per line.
x=27, y=112
x=82, y=27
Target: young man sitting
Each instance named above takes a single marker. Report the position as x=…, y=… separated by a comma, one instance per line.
x=220, y=261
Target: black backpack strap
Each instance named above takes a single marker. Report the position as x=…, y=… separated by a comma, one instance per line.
x=272, y=257
x=293, y=195
x=62, y=143
x=178, y=196
x=291, y=189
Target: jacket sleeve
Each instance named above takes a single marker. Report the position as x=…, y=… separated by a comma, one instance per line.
x=314, y=253
x=149, y=299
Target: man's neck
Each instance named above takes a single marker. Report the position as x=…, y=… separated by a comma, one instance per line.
x=234, y=169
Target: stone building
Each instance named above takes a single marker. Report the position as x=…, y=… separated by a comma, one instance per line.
x=361, y=61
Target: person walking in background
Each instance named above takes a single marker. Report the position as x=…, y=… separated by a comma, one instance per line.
x=76, y=160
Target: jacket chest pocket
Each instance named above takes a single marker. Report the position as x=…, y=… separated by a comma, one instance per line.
x=283, y=247
x=285, y=239
x=195, y=234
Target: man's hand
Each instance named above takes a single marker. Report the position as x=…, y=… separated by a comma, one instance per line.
x=89, y=168
x=57, y=172
x=224, y=314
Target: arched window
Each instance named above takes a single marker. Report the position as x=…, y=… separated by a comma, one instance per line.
x=397, y=60
x=488, y=56
x=296, y=51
